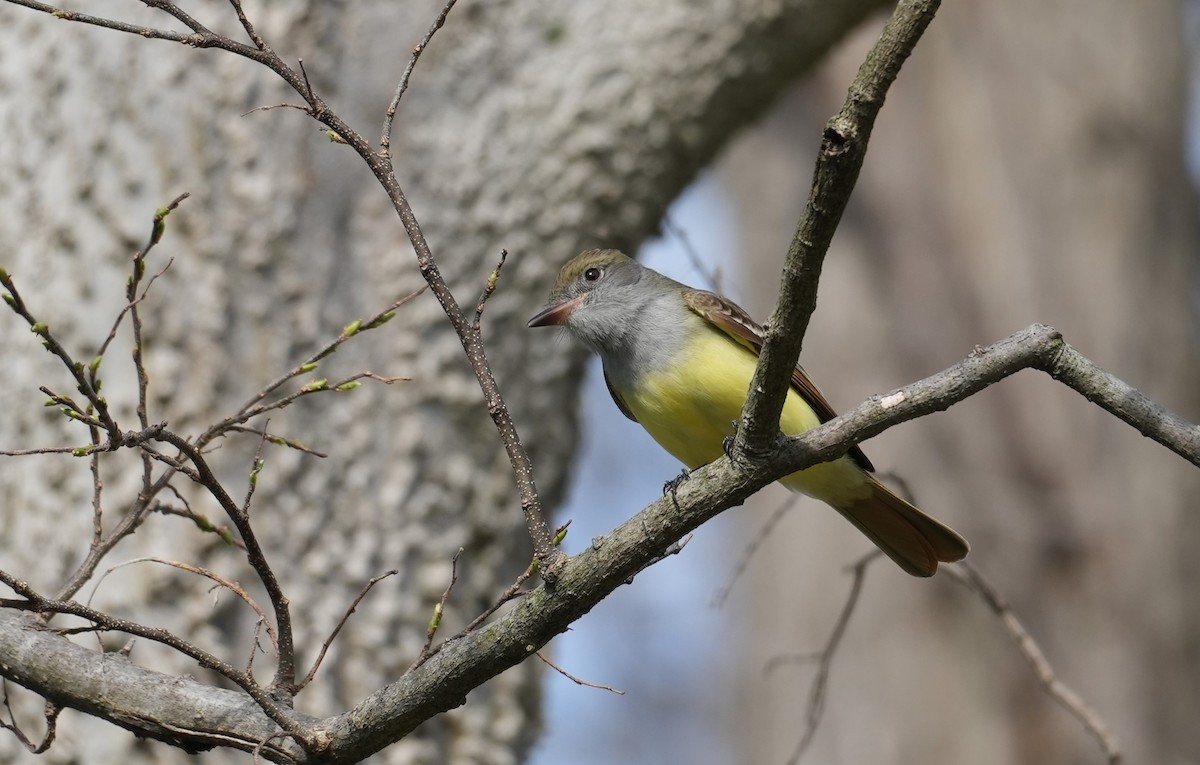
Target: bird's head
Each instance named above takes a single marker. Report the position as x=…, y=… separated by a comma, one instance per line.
x=592, y=297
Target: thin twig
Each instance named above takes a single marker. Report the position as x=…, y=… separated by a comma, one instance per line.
x=1055, y=688
x=228, y=584
x=306, y=109
x=51, y=712
x=308, y=91
x=40, y=450
x=436, y=620
x=201, y=520
x=278, y=440
x=285, y=676
x=824, y=658
x=253, y=407
x=258, y=41
x=258, y=465
x=385, y=140
x=673, y=549
x=338, y=628
x=576, y=680
x=512, y=592
x=172, y=9
x=128, y=524
x=255, y=645
x=488, y=289
x=76, y=369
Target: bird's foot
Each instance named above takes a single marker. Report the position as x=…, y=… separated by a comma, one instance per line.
x=672, y=486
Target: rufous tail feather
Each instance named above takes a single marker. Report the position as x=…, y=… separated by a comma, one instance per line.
x=913, y=539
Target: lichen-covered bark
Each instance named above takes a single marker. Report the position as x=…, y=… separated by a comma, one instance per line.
x=539, y=129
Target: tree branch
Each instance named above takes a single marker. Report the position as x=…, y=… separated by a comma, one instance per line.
x=462, y=664
x=843, y=148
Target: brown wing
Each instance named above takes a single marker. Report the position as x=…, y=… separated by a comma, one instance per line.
x=729, y=317
x=617, y=398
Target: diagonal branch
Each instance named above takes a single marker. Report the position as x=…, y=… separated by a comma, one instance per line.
x=469, y=660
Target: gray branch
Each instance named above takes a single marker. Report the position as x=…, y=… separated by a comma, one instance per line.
x=194, y=716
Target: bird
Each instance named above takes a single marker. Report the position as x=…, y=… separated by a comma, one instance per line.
x=679, y=361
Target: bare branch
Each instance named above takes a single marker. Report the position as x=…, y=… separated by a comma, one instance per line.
x=824, y=658
x=843, y=148
x=488, y=289
x=338, y=628
x=51, y=712
x=246, y=25
x=436, y=620
x=38, y=604
x=972, y=579
x=285, y=677
x=228, y=584
x=253, y=407
x=575, y=679
x=385, y=140
x=478, y=653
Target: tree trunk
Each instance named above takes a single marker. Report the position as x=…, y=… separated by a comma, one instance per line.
x=539, y=130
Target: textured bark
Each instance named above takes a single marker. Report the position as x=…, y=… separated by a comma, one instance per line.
x=1027, y=167
x=540, y=130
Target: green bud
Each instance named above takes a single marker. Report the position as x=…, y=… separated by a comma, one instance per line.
x=316, y=385
x=4, y=274
x=95, y=365
x=436, y=621
x=383, y=319
x=40, y=328
x=349, y=385
x=278, y=440
x=9, y=299
x=84, y=451
x=308, y=367
x=560, y=536
x=352, y=328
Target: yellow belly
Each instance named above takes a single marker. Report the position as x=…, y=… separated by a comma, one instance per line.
x=691, y=409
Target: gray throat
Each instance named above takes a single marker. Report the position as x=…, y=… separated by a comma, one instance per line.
x=644, y=335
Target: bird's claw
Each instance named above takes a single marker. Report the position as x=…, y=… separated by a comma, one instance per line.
x=672, y=486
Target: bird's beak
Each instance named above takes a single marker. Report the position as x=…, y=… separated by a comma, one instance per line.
x=556, y=314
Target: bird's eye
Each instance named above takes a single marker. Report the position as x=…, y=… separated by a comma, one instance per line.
x=593, y=274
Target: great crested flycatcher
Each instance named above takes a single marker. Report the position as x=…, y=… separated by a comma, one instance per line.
x=679, y=362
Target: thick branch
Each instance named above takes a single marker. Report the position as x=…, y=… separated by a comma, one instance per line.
x=177, y=710
x=442, y=682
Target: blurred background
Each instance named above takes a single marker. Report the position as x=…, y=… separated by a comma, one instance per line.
x=1030, y=165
